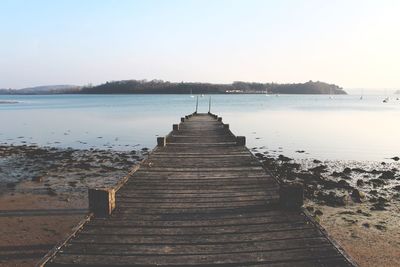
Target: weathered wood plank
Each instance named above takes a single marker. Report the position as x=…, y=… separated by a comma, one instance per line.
x=212, y=230
x=216, y=259
x=124, y=220
x=194, y=239
x=170, y=249
x=236, y=218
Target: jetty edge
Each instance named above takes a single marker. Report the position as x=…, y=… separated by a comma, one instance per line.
x=200, y=198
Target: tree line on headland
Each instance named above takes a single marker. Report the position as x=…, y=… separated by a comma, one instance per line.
x=161, y=87
x=165, y=87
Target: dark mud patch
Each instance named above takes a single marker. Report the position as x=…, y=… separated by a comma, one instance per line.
x=53, y=171
x=339, y=183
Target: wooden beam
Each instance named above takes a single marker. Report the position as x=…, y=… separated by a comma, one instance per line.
x=291, y=196
x=161, y=141
x=101, y=202
x=241, y=140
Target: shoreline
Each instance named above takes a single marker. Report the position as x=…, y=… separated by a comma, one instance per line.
x=43, y=194
x=358, y=203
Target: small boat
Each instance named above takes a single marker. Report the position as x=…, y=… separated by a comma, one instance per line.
x=330, y=94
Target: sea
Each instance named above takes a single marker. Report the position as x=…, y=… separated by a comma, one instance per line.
x=330, y=127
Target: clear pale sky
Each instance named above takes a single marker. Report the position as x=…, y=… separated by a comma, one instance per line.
x=352, y=43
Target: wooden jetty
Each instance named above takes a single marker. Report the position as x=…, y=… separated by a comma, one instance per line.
x=200, y=199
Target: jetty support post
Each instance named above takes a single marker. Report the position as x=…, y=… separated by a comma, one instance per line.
x=101, y=201
x=291, y=195
x=226, y=126
x=182, y=119
x=175, y=127
x=241, y=140
x=219, y=119
x=197, y=104
x=161, y=141
x=209, y=105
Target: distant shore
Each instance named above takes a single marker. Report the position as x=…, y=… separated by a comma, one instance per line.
x=8, y=102
x=43, y=194
x=166, y=87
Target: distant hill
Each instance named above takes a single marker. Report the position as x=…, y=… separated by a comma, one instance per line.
x=41, y=90
x=161, y=87
x=165, y=87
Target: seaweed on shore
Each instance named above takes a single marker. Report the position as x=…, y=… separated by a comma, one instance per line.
x=55, y=170
x=338, y=183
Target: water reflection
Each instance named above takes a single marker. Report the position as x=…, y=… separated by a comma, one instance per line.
x=344, y=127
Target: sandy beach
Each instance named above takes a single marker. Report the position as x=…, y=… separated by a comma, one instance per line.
x=357, y=203
x=44, y=195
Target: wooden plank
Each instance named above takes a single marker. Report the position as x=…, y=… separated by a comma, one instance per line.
x=194, y=239
x=165, y=200
x=188, y=174
x=221, y=218
x=211, y=230
x=217, y=195
x=187, y=260
x=193, y=249
x=126, y=221
x=227, y=170
x=265, y=181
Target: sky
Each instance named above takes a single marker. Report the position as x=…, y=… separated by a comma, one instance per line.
x=351, y=43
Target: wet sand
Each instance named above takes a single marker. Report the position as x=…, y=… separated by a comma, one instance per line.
x=43, y=195
x=31, y=224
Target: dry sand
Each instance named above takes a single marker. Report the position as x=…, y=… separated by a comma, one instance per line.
x=370, y=238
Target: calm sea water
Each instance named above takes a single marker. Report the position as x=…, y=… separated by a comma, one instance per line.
x=342, y=127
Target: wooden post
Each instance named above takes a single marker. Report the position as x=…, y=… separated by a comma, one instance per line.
x=182, y=119
x=219, y=119
x=241, y=140
x=161, y=141
x=101, y=202
x=291, y=195
x=175, y=127
x=226, y=126
x=197, y=104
